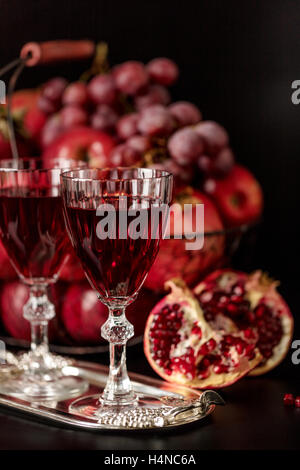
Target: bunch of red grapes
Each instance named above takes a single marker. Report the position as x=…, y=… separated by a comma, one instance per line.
x=133, y=104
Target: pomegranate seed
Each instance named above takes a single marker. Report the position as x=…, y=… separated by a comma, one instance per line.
x=248, y=333
x=288, y=399
x=203, y=374
x=229, y=339
x=176, y=307
x=238, y=290
x=211, y=344
x=206, y=297
x=196, y=330
x=236, y=299
x=218, y=369
x=260, y=311
x=251, y=317
x=240, y=348
x=297, y=402
x=249, y=350
x=232, y=309
x=165, y=310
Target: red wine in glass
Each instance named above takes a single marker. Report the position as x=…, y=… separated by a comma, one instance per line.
x=116, y=266
x=33, y=231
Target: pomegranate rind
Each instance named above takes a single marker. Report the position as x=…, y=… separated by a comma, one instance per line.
x=259, y=288
x=180, y=294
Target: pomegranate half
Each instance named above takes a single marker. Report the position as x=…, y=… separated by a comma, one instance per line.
x=184, y=348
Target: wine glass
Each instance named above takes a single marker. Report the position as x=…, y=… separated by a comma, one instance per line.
x=33, y=233
x=115, y=219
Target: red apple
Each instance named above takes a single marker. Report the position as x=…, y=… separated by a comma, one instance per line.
x=81, y=143
x=72, y=270
x=238, y=196
x=83, y=314
x=7, y=272
x=13, y=297
x=174, y=260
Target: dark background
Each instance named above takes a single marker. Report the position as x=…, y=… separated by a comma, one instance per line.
x=237, y=60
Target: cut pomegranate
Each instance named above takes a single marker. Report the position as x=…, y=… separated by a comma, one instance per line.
x=182, y=347
x=254, y=304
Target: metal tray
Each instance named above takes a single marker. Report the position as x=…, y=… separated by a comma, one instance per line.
x=177, y=405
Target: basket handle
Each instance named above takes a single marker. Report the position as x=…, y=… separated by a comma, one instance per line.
x=38, y=53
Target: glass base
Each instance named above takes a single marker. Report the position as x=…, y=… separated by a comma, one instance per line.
x=52, y=387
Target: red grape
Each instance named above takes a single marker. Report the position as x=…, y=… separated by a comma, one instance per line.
x=185, y=145
x=72, y=115
x=130, y=77
x=123, y=155
x=46, y=105
x=185, y=113
x=141, y=143
x=205, y=164
x=156, y=94
x=127, y=125
x=163, y=71
x=209, y=186
x=214, y=135
x=102, y=89
x=104, y=119
x=223, y=162
x=75, y=93
x=182, y=174
x=54, y=88
x=155, y=120
x=52, y=129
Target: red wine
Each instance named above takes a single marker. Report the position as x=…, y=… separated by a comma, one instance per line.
x=33, y=232
x=115, y=267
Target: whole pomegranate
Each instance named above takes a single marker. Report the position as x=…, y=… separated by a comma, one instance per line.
x=174, y=260
x=184, y=348
x=252, y=302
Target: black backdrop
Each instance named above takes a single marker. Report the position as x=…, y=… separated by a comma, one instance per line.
x=237, y=60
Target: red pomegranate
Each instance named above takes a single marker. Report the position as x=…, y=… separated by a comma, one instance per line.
x=13, y=297
x=82, y=143
x=173, y=260
x=184, y=348
x=83, y=314
x=238, y=196
x=7, y=272
x=251, y=302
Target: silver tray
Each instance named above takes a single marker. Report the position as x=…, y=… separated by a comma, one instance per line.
x=177, y=405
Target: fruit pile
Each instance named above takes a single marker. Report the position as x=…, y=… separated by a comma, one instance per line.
x=124, y=116
x=232, y=324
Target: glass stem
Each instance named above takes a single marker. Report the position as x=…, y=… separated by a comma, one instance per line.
x=117, y=330
x=38, y=311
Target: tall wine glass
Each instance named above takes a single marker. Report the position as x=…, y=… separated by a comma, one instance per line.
x=33, y=233
x=115, y=220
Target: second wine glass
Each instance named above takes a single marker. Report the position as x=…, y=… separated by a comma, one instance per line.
x=33, y=233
